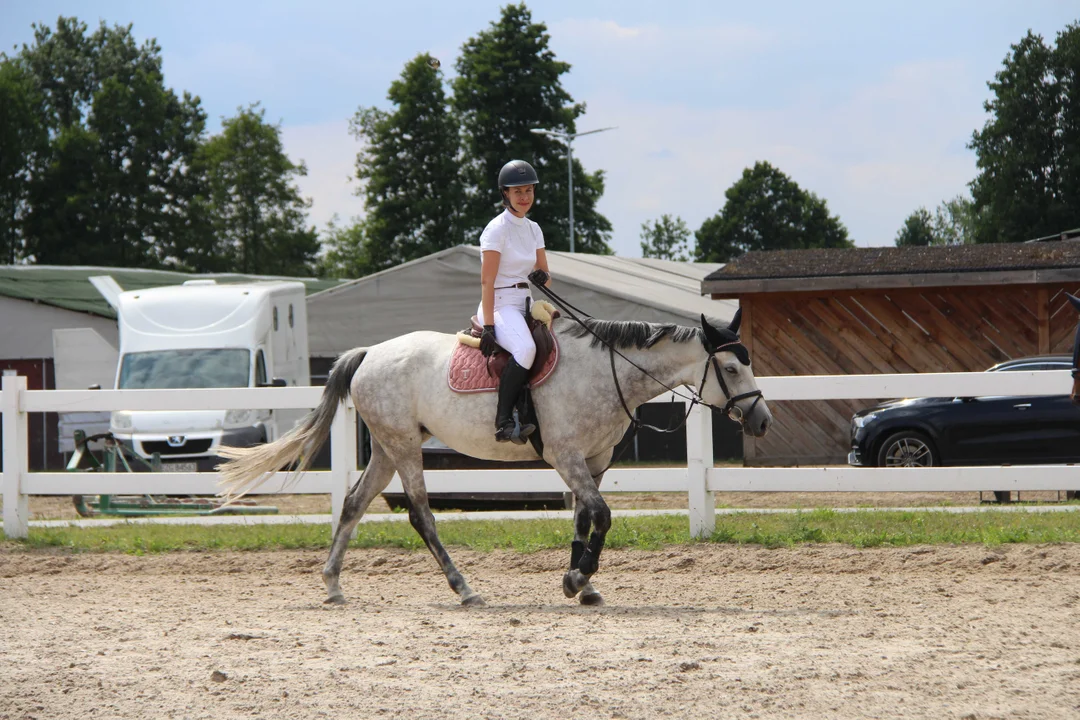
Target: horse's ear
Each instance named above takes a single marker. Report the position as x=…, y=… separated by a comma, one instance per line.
x=711, y=333
x=735, y=321
x=1075, y=301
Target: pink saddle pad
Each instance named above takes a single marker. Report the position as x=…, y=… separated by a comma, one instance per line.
x=469, y=373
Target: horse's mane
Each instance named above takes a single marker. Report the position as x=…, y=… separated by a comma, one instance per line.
x=631, y=333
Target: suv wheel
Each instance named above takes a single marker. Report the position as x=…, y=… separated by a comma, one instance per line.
x=906, y=449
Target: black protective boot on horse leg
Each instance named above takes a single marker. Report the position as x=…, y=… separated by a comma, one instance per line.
x=510, y=384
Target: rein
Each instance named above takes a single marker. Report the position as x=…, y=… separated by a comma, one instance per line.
x=728, y=408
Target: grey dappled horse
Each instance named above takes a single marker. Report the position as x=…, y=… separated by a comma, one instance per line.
x=400, y=390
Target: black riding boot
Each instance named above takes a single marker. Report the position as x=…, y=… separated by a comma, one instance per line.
x=510, y=384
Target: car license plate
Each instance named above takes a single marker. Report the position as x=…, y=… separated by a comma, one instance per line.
x=179, y=467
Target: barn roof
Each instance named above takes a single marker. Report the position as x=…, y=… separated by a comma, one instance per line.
x=895, y=267
x=69, y=287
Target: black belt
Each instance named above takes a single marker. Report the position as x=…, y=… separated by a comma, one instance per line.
x=519, y=286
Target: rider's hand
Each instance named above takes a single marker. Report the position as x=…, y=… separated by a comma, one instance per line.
x=487, y=341
x=539, y=277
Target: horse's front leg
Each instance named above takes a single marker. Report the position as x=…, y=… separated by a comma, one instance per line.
x=591, y=512
x=582, y=524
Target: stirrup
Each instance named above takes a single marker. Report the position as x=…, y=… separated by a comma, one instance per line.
x=513, y=431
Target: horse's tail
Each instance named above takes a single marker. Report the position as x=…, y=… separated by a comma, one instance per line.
x=248, y=468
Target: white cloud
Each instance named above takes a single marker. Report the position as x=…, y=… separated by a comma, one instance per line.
x=875, y=156
x=649, y=56
x=329, y=152
x=601, y=36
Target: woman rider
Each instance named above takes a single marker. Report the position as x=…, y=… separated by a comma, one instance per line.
x=512, y=253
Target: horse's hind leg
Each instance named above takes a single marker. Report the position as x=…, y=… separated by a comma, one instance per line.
x=376, y=477
x=592, y=512
x=410, y=467
x=582, y=524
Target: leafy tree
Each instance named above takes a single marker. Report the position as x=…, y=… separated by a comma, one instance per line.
x=665, y=238
x=22, y=140
x=918, y=230
x=113, y=185
x=412, y=191
x=253, y=206
x=345, y=250
x=508, y=83
x=1029, y=150
x=952, y=223
x=955, y=221
x=64, y=64
x=767, y=210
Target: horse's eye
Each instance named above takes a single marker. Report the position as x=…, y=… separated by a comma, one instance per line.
x=732, y=369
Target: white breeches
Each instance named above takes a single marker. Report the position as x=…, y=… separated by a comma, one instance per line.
x=511, y=332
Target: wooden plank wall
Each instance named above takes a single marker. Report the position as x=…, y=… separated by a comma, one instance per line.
x=949, y=329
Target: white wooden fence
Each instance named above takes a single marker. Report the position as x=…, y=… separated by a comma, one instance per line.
x=699, y=479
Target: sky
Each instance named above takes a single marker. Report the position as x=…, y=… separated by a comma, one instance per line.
x=870, y=105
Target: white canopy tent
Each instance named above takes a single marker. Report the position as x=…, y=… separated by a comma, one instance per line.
x=441, y=292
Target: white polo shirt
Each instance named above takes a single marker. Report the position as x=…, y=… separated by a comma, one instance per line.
x=516, y=240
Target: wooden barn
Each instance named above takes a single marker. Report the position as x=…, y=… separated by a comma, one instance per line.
x=890, y=310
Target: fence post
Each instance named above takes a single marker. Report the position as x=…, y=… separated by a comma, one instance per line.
x=342, y=460
x=699, y=458
x=16, y=449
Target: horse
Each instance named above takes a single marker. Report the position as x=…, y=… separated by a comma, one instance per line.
x=1076, y=354
x=400, y=389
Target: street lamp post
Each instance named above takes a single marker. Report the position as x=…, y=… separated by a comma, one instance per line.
x=568, y=139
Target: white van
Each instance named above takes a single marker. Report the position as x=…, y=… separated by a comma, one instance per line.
x=207, y=335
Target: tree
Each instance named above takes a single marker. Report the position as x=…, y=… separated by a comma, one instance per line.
x=955, y=221
x=952, y=223
x=412, y=191
x=918, y=230
x=509, y=83
x=112, y=186
x=767, y=210
x=665, y=239
x=23, y=138
x=253, y=206
x=1028, y=152
x=345, y=250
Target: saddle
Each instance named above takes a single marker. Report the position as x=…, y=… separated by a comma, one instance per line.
x=471, y=372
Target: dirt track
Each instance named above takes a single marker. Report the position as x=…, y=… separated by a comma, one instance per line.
x=702, y=631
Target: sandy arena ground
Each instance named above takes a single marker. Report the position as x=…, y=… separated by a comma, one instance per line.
x=689, y=632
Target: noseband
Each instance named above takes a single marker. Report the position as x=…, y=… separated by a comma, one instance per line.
x=730, y=408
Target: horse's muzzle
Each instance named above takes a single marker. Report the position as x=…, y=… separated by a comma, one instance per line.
x=756, y=422
x=759, y=427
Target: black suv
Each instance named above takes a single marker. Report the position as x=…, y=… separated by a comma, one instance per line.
x=993, y=430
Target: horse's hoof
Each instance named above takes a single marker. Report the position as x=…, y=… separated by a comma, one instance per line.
x=334, y=600
x=594, y=599
x=571, y=588
x=474, y=601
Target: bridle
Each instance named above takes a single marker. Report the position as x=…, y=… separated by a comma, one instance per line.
x=730, y=408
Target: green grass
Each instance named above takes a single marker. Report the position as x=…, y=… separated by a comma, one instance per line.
x=863, y=529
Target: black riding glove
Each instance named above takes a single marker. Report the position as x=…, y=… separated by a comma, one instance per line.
x=539, y=277
x=487, y=341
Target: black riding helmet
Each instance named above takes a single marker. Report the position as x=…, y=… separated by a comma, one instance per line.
x=514, y=174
